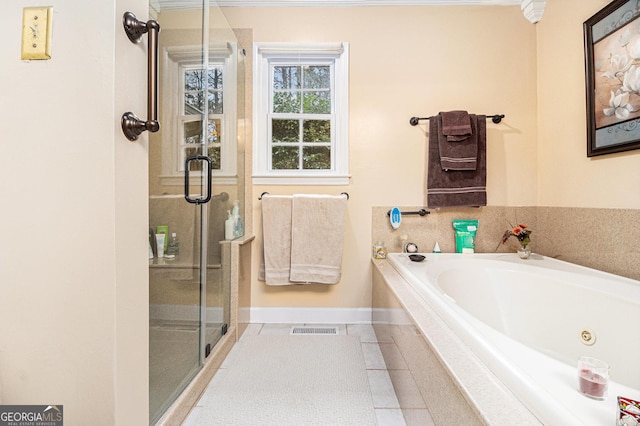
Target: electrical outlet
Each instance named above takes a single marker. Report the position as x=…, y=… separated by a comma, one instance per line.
x=36, y=32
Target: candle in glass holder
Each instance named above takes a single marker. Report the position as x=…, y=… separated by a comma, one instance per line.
x=593, y=376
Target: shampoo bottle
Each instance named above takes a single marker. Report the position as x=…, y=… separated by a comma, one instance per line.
x=173, y=248
x=228, y=227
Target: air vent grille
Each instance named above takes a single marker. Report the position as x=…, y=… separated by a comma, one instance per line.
x=314, y=331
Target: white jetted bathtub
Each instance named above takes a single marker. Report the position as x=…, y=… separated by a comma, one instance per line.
x=530, y=320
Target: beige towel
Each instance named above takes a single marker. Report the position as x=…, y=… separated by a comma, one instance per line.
x=317, y=236
x=276, y=232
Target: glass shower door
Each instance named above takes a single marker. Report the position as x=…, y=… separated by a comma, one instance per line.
x=195, y=175
x=177, y=281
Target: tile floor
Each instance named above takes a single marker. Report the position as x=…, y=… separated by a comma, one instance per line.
x=393, y=407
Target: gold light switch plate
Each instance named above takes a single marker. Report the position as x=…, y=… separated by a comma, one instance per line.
x=36, y=32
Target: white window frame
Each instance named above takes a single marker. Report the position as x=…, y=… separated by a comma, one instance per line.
x=175, y=60
x=264, y=56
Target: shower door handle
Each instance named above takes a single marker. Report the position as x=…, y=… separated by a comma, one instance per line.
x=186, y=179
x=132, y=126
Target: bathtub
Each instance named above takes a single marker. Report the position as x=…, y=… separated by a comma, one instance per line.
x=528, y=321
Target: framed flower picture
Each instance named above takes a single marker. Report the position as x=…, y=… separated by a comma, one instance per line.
x=612, y=62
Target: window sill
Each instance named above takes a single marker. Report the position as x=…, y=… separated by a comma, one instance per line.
x=301, y=180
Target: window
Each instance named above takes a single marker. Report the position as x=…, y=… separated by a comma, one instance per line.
x=301, y=113
x=195, y=93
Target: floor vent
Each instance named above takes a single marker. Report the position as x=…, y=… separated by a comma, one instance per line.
x=314, y=331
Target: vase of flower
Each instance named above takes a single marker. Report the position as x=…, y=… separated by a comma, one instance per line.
x=522, y=234
x=524, y=252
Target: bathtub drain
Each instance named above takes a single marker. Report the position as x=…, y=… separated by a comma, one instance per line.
x=587, y=337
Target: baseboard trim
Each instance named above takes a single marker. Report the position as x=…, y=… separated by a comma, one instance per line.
x=284, y=315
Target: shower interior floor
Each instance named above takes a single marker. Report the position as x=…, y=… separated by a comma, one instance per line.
x=392, y=407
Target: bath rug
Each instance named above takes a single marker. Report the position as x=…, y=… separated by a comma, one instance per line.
x=289, y=380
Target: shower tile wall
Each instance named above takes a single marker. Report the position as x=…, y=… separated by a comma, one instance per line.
x=604, y=239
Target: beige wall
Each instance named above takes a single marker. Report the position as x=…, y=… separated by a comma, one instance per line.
x=566, y=177
x=73, y=209
x=408, y=61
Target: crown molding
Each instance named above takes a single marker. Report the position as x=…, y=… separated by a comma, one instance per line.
x=532, y=9
x=192, y=4
x=342, y=3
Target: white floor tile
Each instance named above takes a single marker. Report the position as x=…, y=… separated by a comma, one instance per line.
x=418, y=417
x=373, y=359
x=406, y=389
x=252, y=330
x=278, y=329
x=389, y=417
x=393, y=357
x=365, y=331
x=382, y=389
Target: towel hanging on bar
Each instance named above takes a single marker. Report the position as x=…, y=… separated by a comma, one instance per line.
x=303, y=238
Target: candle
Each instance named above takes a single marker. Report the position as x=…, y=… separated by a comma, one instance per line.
x=592, y=384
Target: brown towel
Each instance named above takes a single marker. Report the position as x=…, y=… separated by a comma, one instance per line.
x=460, y=154
x=456, y=125
x=456, y=187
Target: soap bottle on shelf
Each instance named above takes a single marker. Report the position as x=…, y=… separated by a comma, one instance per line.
x=238, y=226
x=228, y=227
x=173, y=249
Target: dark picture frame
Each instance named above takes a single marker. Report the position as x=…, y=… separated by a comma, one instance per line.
x=612, y=64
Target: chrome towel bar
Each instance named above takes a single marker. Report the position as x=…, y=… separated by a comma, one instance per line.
x=497, y=118
x=132, y=126
x=346, y=194
x=421, y=212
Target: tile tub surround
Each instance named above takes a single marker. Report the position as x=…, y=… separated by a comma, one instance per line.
x=603, y=239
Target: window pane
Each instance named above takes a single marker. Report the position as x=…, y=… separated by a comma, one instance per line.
x=284, y=158
x=193, y=80
x=213, y=131
x=316, y=131
x=193, y=103
x=316, y=157
x=214, y=154
x=215, y=78
x=317, y=102
x=285, y=130
x=317, y=77
x=192, y=132
x=215, y=102
x=194, y=166
x=286, y=102
x=286, y=77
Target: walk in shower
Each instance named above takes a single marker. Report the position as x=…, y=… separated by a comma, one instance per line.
x=196, y=172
